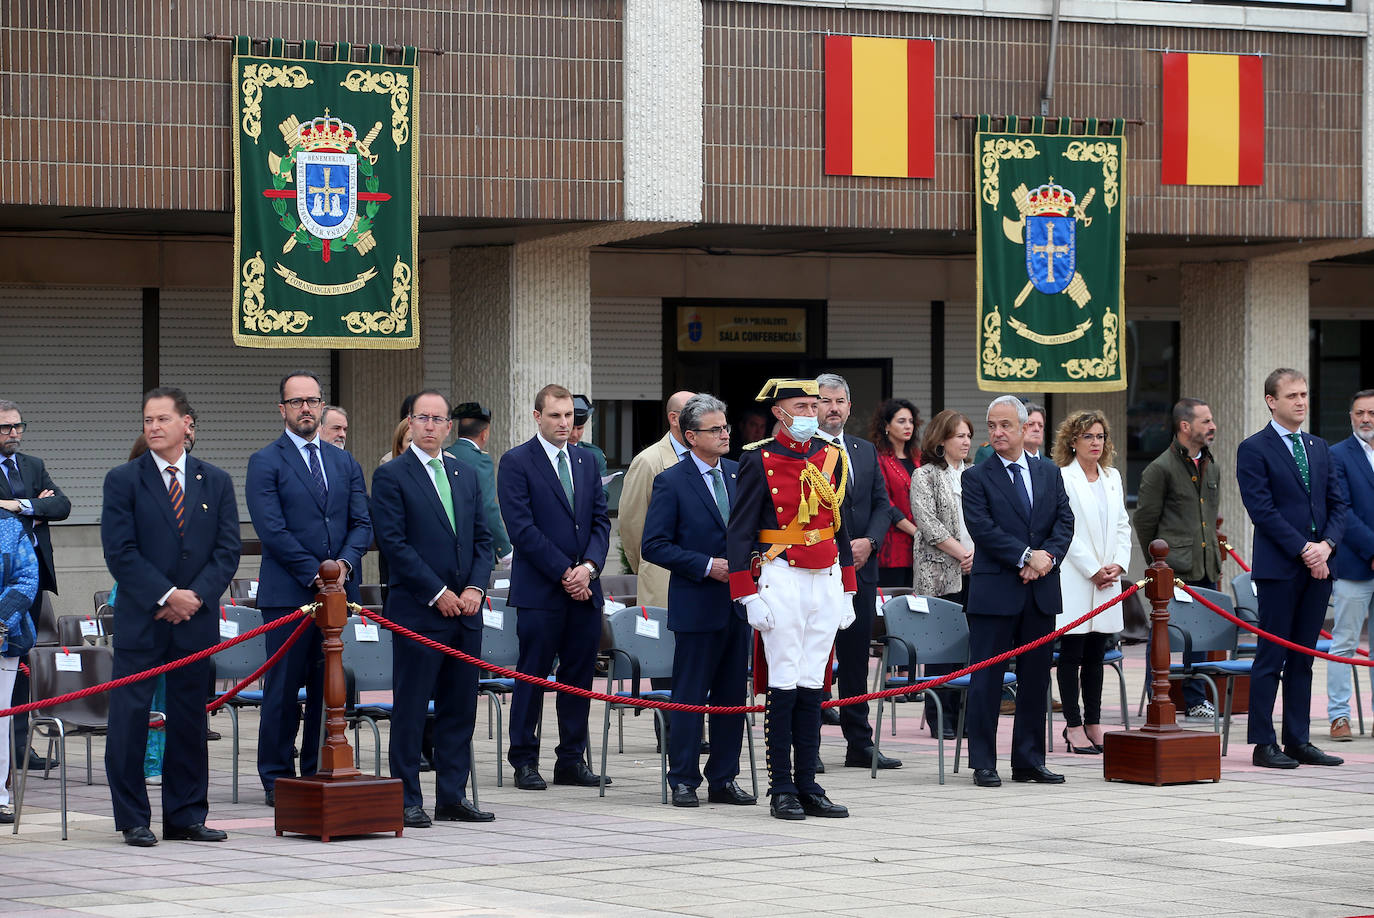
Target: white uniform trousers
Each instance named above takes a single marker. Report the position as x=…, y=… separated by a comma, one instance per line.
x=807, y=607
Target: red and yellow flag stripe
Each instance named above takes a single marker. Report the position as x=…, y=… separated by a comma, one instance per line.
x=879, y=106
x=1213, y=120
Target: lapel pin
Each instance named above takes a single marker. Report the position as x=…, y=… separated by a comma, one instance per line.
x=197, y=478
x=205, y=507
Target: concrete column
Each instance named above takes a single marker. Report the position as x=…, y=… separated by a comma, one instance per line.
x=663, y=110
x=372, y=385
x=1240, y=320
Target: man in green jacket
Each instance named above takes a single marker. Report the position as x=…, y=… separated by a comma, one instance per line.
x=474, y=430
x=582, y=413
x=1178, y=501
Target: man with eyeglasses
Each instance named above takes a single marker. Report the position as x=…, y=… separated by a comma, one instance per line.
x=27, y=491
x=308, y=502
x=685, y=533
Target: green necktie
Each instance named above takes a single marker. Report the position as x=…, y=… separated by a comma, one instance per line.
x=1300, y=456
x=445, y=493
x=565, y=476
x=722, y=498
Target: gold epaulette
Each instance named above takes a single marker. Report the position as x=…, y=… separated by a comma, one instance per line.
x=759, y=443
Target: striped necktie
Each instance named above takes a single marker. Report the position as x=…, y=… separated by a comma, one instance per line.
x=178, y=499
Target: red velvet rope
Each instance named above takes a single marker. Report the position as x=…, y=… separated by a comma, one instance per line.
x=222, y=700
x=1311, y=652
x=735, y=709
x=1245, y=567
x=156, y=670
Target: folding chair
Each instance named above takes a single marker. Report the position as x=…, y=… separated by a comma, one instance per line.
x=86, y=717
x=1194, y=628
x=637, y=654
x=500, y=647
x=46, y=623
x=936, y=637
x=238, y=663
x=243, y=592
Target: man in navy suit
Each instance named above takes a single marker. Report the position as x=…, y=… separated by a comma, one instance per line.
x=1353, y=565
x=1019, y=517
x=868, y=515
x=555, y=513
x=1298, y=505
x=169, y=526
x=308, y=504
x=427, y=513
x=684, y=532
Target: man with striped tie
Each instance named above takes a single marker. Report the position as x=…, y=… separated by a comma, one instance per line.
x=169, y=526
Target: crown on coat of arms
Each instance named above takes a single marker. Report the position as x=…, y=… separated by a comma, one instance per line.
x=326, y=133
x=1050, y=200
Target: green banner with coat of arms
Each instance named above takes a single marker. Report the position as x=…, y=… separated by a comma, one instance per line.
x=326, y=213
x=1051, y=231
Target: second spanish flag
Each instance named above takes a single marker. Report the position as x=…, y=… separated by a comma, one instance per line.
x=879, y=106
x=1213, y=120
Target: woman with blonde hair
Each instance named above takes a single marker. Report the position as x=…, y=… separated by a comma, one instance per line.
x=1092, y=569
x=944, y=549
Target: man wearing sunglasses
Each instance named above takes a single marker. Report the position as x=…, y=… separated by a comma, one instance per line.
x=309, y=504
x=27, y=491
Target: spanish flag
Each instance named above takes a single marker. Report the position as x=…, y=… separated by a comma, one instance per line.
x=879, y=106
x=1213, y=120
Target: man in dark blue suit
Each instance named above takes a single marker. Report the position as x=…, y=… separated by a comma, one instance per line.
x=684, y=532
x=555, y=513
x=1018, y=514
x=427, y=513
x=1353, y=566
x=308, y=504
x=169, y=526
x=1298, y=505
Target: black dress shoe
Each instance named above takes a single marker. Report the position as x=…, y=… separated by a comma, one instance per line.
x=684, y=795
x=140, y=837
x=1038, y=774
x=1090, y=749
x=38, y=763
x=578, y=775
x=1307, y=754
x=212, y=735
x=527, y=777
x=270, y=795
x=415, y=817
x=731, y=793
x=820, y=766
x=830, y=717
x=863, y=758
x=462, y=811
x=425, y=764
x=786, y=806
x=198, y=833
x=820, y=805
x=1268, y=755
x=986, y=777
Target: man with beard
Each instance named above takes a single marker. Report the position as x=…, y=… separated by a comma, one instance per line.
x=308, y=504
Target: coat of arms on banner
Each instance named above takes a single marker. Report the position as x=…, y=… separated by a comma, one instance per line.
x=1050, y=260
x=325, y=230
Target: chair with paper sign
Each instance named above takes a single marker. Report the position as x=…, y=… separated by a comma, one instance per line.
x=1195, y=628
x=500, y=647
x=642, y=650
x=237, y=663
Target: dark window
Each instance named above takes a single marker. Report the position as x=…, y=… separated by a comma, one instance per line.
x=1152, y=389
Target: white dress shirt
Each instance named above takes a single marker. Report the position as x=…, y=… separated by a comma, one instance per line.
x=553, y=451
x=1284, y=433
x=305, y=453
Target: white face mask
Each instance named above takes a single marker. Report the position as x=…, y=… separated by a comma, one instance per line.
x=801, y=429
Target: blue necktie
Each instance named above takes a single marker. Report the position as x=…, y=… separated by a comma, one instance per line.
x=317, y=472
x=16, y=480
x=1018, y=485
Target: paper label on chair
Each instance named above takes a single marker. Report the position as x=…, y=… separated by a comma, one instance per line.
x=917, y=604
x=228, y=629
x=252, y=589
x=366, y=633
x=68, y=662
x=494, y=618
x=646, y=627
x=89, y=628
x=501, y=585
x=879, y=603
x=1181, y=596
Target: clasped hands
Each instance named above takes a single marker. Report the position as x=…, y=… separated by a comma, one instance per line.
x=577, y=582
x=1038, y=565
x=180, y=606
x=1108, y=575
x=452, y=605
x=1315, y=555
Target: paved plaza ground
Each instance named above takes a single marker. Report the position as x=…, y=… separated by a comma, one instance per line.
x=1258, y=843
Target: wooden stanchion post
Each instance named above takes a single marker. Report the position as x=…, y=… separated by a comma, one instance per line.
x=338, y=799
x=1160, y=752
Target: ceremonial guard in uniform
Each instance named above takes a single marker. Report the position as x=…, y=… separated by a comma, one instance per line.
x=791, y=567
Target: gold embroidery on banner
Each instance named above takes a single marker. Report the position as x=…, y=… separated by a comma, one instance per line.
x=255, y=77
x=1106, y=153
x=293, y=279
x=1098, y=367
x=995, y=150
x=994, y=364
x=387, y=82
x=1025, y=332
x=386, y=323
x=256, y=317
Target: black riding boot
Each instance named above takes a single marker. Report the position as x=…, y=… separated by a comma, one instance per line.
x=806, y=738
x=777, y=735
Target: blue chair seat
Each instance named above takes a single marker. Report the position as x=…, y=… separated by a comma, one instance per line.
x=1324, y=645
x=1211, y=667
x=255, y=697
x=496, y=685
x=663, y=695
x=1113, y=656
x=961, y=682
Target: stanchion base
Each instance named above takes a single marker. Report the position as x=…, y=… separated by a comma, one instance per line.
x=1161, y=758
x=330, y=807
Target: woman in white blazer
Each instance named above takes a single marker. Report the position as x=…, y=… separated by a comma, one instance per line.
x=1092, y=569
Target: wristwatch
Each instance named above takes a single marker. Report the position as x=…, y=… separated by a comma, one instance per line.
x=591, y=569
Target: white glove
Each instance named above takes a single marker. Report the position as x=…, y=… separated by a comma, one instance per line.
x=848, y=618
x=757, y=611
